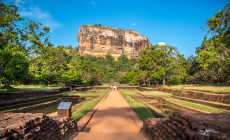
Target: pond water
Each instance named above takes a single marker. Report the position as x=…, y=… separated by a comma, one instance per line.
x=46, y=110
x=53, y=107
x=167, y=109
x=164, y=107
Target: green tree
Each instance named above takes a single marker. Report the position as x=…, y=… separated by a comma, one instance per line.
x=49, y=67
x=129, y=77
x=161, y=63
x=23, y=35
x=13, y=67
x=214, y=53
x=22, y=39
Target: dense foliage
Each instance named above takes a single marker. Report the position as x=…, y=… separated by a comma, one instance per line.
x=27, y=56
x=212, y=63
x=19, y=39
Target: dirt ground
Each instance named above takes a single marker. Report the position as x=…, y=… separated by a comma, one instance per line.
x=113, y=120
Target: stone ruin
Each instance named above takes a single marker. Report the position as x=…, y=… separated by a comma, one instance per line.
x=188, y=126
x=25, y=126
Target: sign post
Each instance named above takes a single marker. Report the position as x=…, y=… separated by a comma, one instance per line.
x=64, y=109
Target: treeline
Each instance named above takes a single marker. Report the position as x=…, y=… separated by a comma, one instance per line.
x=59, y=67
x=28, y=57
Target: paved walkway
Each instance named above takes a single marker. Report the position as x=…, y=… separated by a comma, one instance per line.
x=113, y=120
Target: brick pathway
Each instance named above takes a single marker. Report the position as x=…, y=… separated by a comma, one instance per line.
x=113, y=120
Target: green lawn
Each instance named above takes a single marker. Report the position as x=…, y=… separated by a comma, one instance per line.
x=47, y=102
x=31, y=88
x=83, y=93
x=140, y=109
x=206, y=88
x=144, y=103
x=155, y=93
x=77, y=115
x=82, y=102
x=196, y=106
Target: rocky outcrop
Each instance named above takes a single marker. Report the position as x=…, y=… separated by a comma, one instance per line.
x=99, y=41
x=191, y=126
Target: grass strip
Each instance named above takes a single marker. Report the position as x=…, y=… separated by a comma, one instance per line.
x=30, y=88
x=140, y=109
x=150, y=107
x=155, y=93
x=30, y=105
x=82, y=102
x=217, y=89
x=81, y=93
x=196, y=106
x=77, y=115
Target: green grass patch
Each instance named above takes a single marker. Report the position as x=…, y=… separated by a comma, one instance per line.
x=77, y=115
x=218, y=89
x=129, y=92
x=83, y=93
x=150, y=107
x=155, y=93
x=31, y=88
x=140, y=109
x=82, y=102
x=196, y=106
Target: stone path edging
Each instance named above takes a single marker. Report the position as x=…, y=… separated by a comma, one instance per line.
x=133, y=114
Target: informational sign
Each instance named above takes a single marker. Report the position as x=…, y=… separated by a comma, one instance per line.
x=64, y=105
x=64, y=109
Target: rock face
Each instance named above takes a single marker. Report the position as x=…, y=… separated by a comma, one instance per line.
x=99, y=41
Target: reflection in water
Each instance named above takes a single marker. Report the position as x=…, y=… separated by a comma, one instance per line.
x=161, y=105
x=167, y=109
x=46, y=110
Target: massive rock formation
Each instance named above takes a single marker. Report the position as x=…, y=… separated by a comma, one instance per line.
x=99, y=41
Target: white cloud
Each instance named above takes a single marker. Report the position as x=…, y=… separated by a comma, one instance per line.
x=18, y=3
x=161, y=43
x=93, y=3
x=35, y=13
x=133, y=24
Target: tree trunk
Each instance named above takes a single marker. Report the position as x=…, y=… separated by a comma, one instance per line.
x=164, y=79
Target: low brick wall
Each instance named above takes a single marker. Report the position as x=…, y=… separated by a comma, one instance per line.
x=128, y=87
x=96, y=88
x=4, y=96
x=35, y=126
x=30, y=108
x=144, y=89
x=27, y=102
x=73, y=99
x=188, y=126
x=221, y=106
x=82, y=89
x=198, y=95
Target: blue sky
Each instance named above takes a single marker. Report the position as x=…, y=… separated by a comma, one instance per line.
x=176, y=23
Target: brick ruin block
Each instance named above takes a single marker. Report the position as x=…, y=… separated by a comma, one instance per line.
x=35, y=126
x=189, y=126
